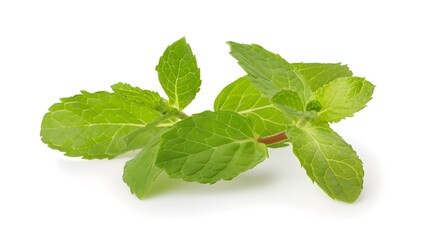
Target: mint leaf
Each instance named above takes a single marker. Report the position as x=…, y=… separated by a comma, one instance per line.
x=329, y=161
x=179, y=74
x=242, y=97
x=210, y=146
x=93, y=125
x=269, y=72
x=342, y=98
x=141, y=172
x=136, y=94
x=319, y=74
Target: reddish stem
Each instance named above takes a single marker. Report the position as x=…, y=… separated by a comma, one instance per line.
x=279, y=137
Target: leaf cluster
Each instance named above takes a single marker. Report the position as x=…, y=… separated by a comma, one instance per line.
x=275, y=104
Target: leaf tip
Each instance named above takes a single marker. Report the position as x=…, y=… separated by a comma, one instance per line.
x=234, y=45
x=229, y=43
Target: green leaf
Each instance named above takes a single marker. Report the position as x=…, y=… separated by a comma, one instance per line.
x=93, y=125
x=179, y=74
x=210, y=146
x=269, y=72
x=141, y=172
x=319, y=74
x=329, y=161
x=242, y=97
x=146, y=97
x=342, y=98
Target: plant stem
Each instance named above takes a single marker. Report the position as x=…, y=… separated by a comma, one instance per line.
x=279, y=137
x=183, y=115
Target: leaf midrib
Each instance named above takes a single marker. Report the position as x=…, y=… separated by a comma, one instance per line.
x=255, y=109
x=176, y=85
x=329, y=164
x=100, y=124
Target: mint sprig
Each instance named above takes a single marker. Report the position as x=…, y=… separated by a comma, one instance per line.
x=276, y=104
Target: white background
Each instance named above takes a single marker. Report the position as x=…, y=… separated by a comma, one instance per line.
x=53, y=49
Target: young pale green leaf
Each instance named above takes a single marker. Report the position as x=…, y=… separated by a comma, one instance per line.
x=93, y=125
x=269, y=72
x=329, y=161
x=342, y=98
x=179, y=74
x=242, y=97
x=313, y=106
x=319, y=74
x=136, y=94
x=210, y=146
x=141, y=172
